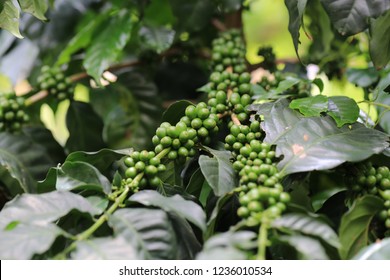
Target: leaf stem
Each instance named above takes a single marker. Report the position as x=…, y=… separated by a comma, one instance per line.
x=376, y=104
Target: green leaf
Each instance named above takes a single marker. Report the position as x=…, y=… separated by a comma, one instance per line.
x=380, y=40
x=44, y=137
x=212, y=220
x=37, y=8
x=192, y=15
x=188, y=210
x=104, y=248
x=286, y=84
x=85, y=128
x=362, y=77
x=218, y=171
x=351, y=17
x=311, y=106
x=147, y=230
x=101, y=159
x=174, y=113
x=307, y=248
x=228, y=246
x=307, y=225
x=99, y=203
x=131, y=110
x=383, y=97
x=159, y=13
x=108, y=45
x=343, y=110
x=296, y=9
x=316, y=143
x=195, y=183
x=9, y=18
x=41, y=209
x=78, y=175
x=24, y=241
x=158, y=39
x=380, y=250
x=22, y=161
x=81, y=40
x=355, y=223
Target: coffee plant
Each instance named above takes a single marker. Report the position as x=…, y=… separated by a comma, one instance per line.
x=139, y=130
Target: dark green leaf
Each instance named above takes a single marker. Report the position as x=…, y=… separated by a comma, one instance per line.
x=383, y=97
x=192, y=15
x=343, y=110
x=147, y=230
x=362, y=77
x=37, y=8
x=351, y=17
x=296, y=9
x=9, y=18
x=44, y=137
x=102, y=159
x=78, y=175
x=175, y=112
x=316, y=143
x=195, y=184
x=212, y=221
x=24, y=241
x=159, y=13
x=81, y=40
x=108, y=45
x=355, y=223
x=99, y=203
x=171, y=175
x=186, y=209
x=319, y=83
x=22, y=161
x=380, y=40
x=105, y=248
x=158, y=39
x=377, y=251
x=85, y=128
x=308, y=248
x=218, y=171
x=286, y=84
x=40, y=209
x=307, y=225
x=228, y=246
x=131, y=110
x=311, y=106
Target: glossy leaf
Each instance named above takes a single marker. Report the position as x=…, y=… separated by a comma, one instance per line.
x=41, y=209
x=307, y=248
x=148, y=230
x=85, y=128
x=228, y=246
x=378, y=251
x=311, y=106
x=37, y=8
x=362, y=77
x=218, y=171
x=175, y=112
x=104, y=248
x=108, y=45
x=9, y=18
x=78, y=175
x=81, y=40
x=157, y=39
x=343, y=110
x=350, y=17
x=354, y=228
x=380, y=40
x=296, y=9
x=316, y=143
x=307, y=225
x=186, y=209
x=22, y=161
x=24, y=241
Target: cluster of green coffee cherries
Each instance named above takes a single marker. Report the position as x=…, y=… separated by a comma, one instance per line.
x=12, y=113
x=228, y=51
x=260, y=190
x=56, y=83
x=364, y=178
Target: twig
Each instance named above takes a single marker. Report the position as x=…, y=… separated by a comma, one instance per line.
x=218, y=24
